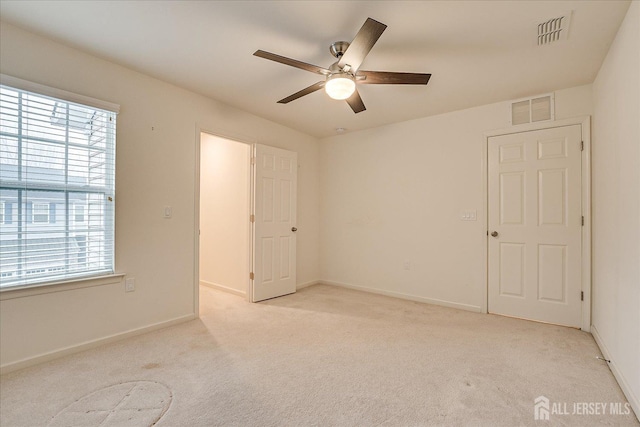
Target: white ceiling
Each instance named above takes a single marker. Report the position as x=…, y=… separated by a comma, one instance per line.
x=477, y=51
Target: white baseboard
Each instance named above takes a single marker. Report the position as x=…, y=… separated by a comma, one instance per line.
x=622, y=382
x=443, y=303
x=244, y=294
x=222, y=288
x=45, y=357
x=307, y=284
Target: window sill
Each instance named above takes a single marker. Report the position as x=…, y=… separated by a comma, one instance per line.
x=62, y=286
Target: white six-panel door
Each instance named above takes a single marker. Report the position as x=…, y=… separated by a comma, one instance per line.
x=535, y=220
x=274, y=206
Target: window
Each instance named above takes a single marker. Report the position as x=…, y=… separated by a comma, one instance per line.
x=57, y=169
x=78, y=213
x=40, y=212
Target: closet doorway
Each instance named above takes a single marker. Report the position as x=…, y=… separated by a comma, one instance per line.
x=225, y=229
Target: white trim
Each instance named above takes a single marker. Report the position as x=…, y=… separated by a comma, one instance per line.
x=21, y=291
x=484, y=167
x=56, y=354
x=585, y=123
x=252, y=226
x=196, y=226
x=586, y=229
x=222, y=288
x=527, y=127
x=58, y=93
x=622, y=382
x=307, y=284
x=450, y=304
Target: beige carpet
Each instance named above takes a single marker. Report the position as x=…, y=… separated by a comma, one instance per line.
x=323, y=356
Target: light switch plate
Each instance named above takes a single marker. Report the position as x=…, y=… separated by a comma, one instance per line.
x=167, y=211
x=468, y=215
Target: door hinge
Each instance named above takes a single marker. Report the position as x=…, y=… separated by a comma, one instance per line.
x=583, y=220
x=251, y=275
x=252, y=218
x=581, y=145
x=581, y=295
x=253, y=160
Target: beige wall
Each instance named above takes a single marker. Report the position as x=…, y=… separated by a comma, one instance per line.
x=394, y=194
x=616, y=206
x=385, y=196
x=224, y=213
x=156, y=158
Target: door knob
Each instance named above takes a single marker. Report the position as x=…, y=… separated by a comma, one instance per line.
x=294, y=229
x=494, y=233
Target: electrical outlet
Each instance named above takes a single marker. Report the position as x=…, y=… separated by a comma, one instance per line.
x=406, y=265
x=168, y=211
x=130, y=285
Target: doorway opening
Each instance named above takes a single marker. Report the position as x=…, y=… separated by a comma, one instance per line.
x=224, y=227
x=245, y=221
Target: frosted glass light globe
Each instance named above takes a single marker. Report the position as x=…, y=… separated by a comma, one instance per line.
x=340, y=86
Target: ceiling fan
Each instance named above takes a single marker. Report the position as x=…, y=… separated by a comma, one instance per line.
x=342, y=76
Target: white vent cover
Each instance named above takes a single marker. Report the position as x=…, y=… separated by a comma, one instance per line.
x=530, y=110
x=554, y=29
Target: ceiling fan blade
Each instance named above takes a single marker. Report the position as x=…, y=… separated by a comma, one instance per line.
x=291, y=62
x=362, y=44
x=391, y=78
x=306, y=91
x=355, y=102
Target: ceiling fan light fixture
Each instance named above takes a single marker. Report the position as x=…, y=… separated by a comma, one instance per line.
x=340, y=78
x=340, y=86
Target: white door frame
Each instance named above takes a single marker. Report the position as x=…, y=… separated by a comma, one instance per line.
x=196, y=220
x=585, y=123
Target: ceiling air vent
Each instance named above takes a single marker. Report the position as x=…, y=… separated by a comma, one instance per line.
x=530, y=110
x=554, y=29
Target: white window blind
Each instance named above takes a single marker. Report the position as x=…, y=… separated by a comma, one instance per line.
x=57, y=162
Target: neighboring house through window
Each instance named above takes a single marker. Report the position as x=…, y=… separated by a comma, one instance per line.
x=57, y=164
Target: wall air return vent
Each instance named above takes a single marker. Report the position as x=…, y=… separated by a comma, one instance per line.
x=554, y=29
x=530, y=110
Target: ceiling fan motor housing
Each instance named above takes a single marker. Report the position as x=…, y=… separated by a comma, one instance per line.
x=338, y=49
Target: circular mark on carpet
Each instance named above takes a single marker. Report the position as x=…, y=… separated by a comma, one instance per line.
x=134, y=403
